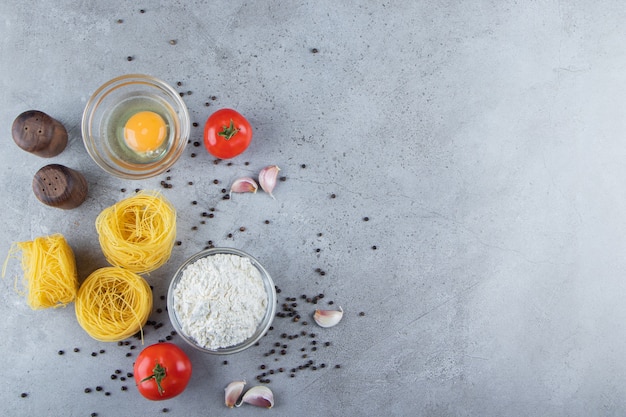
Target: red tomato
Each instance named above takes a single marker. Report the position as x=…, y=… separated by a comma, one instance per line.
x=162, y=371
x=227, y=134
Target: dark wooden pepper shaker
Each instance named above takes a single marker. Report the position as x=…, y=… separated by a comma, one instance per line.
x=39, y=134
x=59, y=186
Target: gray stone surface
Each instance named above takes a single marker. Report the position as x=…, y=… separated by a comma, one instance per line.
x=484, y=141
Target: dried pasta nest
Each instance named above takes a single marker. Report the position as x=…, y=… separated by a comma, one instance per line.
x=113, y=304
x=138, y=233
x=50, y=277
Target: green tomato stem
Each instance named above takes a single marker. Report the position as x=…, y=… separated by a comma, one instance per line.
x=228, y=131
x=158, y=374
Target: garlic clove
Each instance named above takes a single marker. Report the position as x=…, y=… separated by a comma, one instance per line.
x=232, y=393
x=244, y=185
x=328, y=318
x=267, y=178
x=259, y=395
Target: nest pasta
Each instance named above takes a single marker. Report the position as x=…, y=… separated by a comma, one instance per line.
x=113, y=304
x=50, y=277
x=138, y=232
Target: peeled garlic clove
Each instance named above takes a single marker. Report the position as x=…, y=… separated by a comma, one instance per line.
x=328, y=318
x=233, y=392
x=244, y=185
x=260, y=395
x=267, y=178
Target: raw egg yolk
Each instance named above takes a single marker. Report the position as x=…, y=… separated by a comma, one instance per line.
x=145, y=131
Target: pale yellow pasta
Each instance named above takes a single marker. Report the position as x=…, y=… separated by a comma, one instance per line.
x=50, y=278
x=113, y=304
x=138, y=232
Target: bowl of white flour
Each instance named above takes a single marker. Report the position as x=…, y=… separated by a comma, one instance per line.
x=221, y=301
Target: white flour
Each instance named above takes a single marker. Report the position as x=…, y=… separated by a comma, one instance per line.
x=220, y=300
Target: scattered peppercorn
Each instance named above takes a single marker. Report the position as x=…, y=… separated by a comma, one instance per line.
x=76, y=350
x=129, y=58
x=24, y=395
x=314, y=50
x=61, y=352
x=362, y=313
x=87, y=390
x=173, y=42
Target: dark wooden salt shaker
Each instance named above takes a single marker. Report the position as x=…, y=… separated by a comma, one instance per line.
x=59, y=186
x=39, y=134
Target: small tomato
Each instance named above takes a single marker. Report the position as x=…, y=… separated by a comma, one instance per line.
x=162, y=371
x=227, y=134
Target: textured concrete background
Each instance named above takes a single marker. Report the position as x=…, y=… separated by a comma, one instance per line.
x=484, y=141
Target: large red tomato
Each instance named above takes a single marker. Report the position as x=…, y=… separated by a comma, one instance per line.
x=227, y=134
x=162, y=371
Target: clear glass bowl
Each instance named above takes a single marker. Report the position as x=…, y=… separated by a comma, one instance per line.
x=113, y=104
x=263, y=326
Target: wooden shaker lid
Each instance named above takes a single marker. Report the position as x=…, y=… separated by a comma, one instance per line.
x=39, y=134
x=59, y=186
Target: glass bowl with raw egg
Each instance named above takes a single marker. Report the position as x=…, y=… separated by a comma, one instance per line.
x=135, y=126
